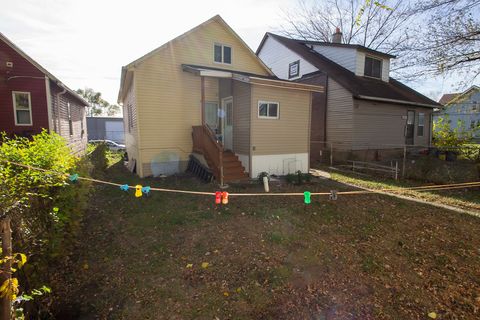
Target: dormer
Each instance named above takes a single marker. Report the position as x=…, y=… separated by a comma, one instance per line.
x=360, y=60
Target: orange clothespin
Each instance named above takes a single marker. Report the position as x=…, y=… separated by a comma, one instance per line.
x=224, y=197
x=218, y=197
x=138, y=191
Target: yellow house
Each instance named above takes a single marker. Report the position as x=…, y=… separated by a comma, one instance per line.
x=206, y=93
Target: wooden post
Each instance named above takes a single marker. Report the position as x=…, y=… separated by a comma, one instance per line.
x=404, y=161
x=6, y=307
x=396, y=170
x=202, y=82
x=331, y=154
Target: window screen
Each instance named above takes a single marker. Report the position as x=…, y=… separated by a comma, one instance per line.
x=373, y=67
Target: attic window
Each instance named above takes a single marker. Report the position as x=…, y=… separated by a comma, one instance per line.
x=294, y=69
x=222, y=53
x=373, y=67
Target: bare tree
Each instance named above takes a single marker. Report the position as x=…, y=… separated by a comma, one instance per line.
x=449, y=41
x=379, y=27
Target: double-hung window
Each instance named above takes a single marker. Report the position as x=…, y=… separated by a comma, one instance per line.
x=268, y=110
x=222, y=53
x=421, y=124
x=22, y=106
x=373, y=67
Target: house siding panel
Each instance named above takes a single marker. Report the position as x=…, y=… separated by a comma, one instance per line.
x=277, y=57
x=168, y=100
x=339, y=115
x=383, y=125
x=78, y=141
x=29, y=79
x=346, y=57
x=288, y=134
x=241, y=118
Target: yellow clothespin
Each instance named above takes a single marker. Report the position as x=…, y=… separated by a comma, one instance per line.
x=138, y=191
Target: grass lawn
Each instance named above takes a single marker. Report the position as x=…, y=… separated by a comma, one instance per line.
x=359, y=257
x=465, y=198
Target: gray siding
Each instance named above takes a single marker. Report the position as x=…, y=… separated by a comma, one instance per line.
x=381, y=124
x=339, y=115
x=346, y=57
x=277, y=57
x=241, y=117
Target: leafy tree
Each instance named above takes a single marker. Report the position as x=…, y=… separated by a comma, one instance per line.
x=98, y=105
x=446, y=136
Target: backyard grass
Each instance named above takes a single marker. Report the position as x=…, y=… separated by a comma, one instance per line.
x=174, y=256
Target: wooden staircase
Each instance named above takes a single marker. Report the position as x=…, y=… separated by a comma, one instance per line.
x=225, y=165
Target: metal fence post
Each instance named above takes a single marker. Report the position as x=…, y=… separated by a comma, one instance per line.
x=404, y=161
x=331, y=154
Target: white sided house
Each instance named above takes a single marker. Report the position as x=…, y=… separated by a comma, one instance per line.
x=205, y=93
x=362, y=106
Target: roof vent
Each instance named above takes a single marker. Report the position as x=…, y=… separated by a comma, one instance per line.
x=9, y=64
x=337, y=36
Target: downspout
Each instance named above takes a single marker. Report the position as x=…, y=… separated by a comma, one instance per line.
x=51, y=122
x=57, y=107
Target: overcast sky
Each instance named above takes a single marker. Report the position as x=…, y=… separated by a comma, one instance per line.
x=85, y=43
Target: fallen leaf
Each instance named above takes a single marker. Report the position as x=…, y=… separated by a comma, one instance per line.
x=190, y=265
x=205, y=265
x=432, y=315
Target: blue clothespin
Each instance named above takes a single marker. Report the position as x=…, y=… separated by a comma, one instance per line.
x=146, y=190
x=124, y=187
x=73, y=177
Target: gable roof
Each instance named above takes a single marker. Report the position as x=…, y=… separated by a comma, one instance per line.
x=447, y=97
x=216, y=18
x=453, y=97
x=360, y=87
x=42, y=69
x=332, y=44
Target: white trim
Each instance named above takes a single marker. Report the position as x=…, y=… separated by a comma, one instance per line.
x=268, y=102
x=49, y=104
x=223, y=45
x=29, y=108
x=362, y=97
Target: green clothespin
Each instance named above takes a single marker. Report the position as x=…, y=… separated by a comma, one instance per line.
x=307, y=196
x=73, y=177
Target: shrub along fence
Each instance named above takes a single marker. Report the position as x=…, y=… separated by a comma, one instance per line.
x=433, y=164
x=44, y=209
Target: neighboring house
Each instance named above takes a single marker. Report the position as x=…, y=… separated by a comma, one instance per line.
x=363, y=107
x=463, y=108
x=106, y=128
x=32, y=99
x=208, y=85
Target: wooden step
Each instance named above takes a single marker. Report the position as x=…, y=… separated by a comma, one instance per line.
x=235, y=177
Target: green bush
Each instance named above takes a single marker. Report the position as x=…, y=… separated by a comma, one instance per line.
x=45, y=207
x=298, y=178
x=99, y=159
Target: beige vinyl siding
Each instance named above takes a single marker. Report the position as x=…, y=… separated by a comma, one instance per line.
x=169, y=99
x=211, y=89
x=339, y=115
x=380, y=124
x=130, y=122
x=241, y=117
x=288, y=134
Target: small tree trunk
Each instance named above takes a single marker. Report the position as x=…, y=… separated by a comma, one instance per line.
x=6, y=307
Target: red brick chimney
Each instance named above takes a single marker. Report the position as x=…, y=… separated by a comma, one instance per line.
x=337, y=36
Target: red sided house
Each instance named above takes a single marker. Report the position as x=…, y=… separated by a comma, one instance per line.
x=32, y=99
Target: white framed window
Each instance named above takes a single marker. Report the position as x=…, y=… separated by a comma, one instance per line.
x=421, y=124
x=294, y=69
x=268, y=110
x=373, y=67
x=22, y=108
x=222, y=53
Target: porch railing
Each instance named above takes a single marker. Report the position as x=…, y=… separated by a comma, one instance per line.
x=205, y=143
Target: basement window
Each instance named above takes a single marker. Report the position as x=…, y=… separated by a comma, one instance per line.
x=373, y=67
x=421, y=124
x=268, y=110
x=22, y=106
x=222, y=53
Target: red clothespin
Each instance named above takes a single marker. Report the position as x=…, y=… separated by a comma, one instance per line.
x=218, y=197
x=224, y=197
